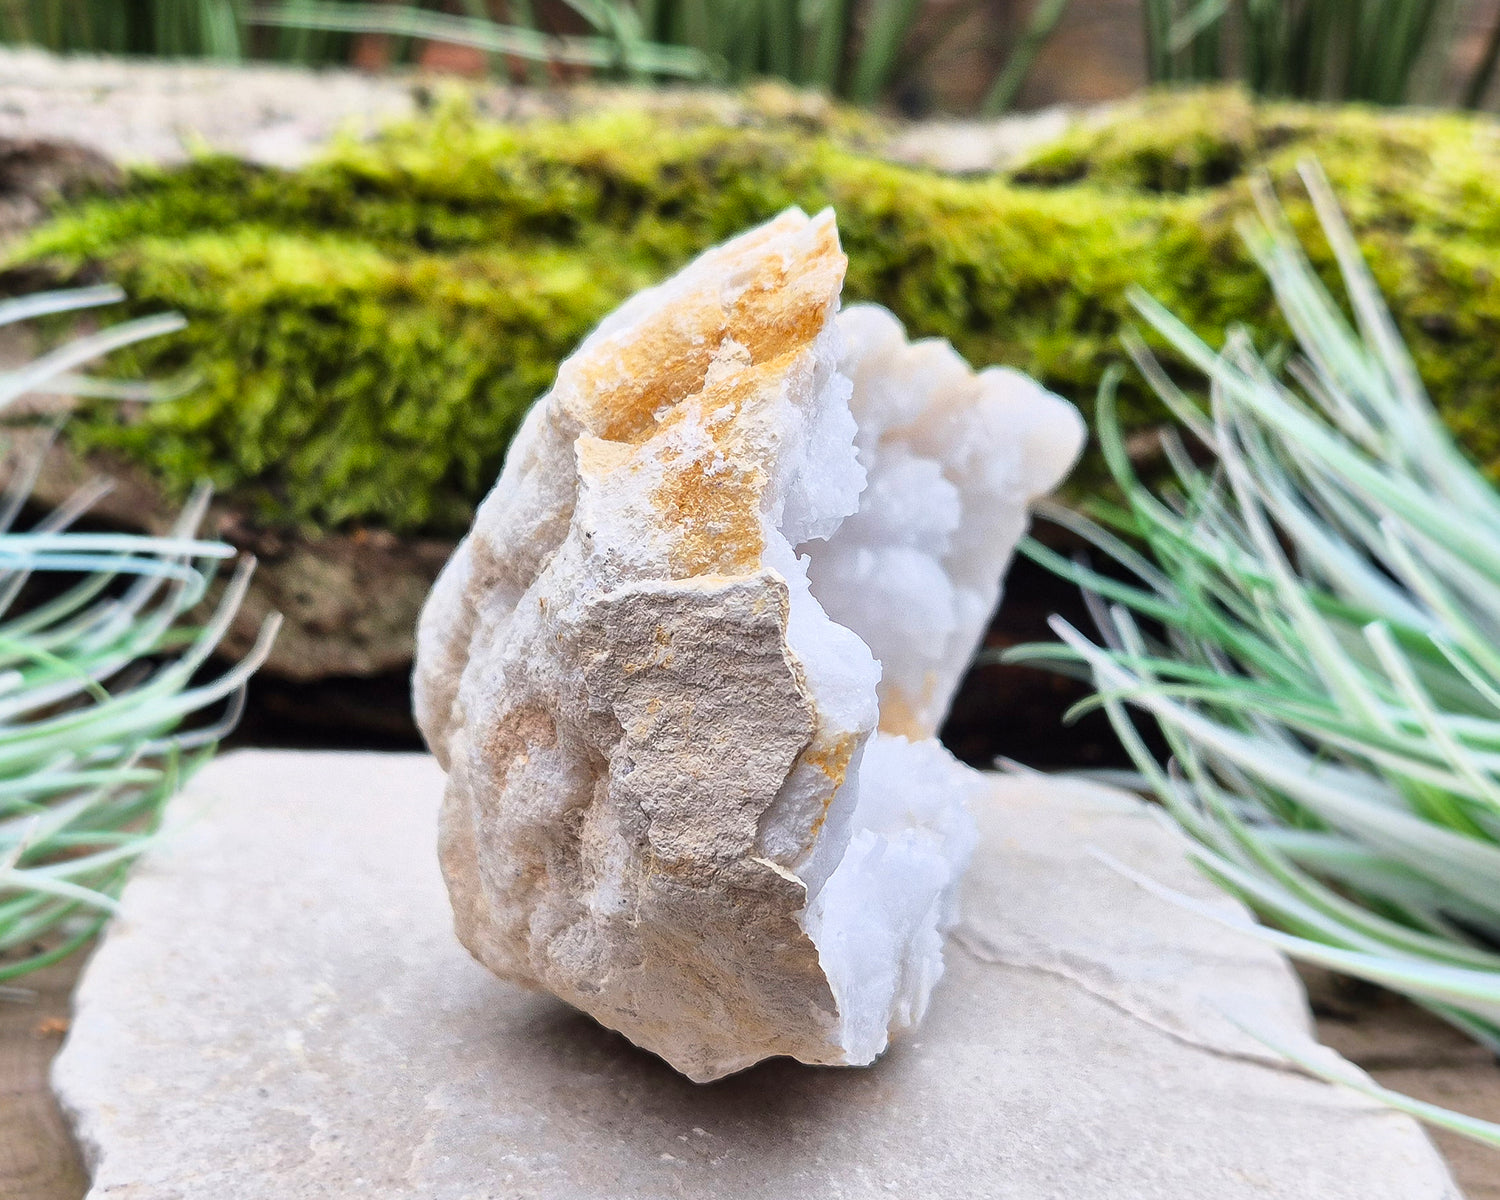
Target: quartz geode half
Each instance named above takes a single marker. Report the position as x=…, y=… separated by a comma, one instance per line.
x=685, y=671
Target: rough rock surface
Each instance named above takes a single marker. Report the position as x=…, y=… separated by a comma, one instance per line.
x=280, y=1012
x=740, y=533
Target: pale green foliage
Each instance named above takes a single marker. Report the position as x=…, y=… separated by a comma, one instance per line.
x=1314, y=626
x=97, y=675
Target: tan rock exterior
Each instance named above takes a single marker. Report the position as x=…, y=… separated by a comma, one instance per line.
x=649, y=775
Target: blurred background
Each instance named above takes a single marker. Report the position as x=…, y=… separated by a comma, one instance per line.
x=919, y=56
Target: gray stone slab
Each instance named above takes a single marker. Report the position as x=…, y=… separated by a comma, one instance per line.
x=281, y=1012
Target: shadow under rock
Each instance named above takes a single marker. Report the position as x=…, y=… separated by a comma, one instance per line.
x=765, y=1095
x=773, y=1121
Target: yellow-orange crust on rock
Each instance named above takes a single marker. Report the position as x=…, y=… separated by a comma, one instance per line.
x=685, y=392
x=622, y=387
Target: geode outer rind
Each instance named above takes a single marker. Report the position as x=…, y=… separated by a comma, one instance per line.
x=654, y=732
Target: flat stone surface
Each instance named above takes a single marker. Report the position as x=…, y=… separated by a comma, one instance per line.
x=281, y=1011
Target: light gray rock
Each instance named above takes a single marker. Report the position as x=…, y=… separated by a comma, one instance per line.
x=980, y=147
x=134, y=111
x=281, y=1011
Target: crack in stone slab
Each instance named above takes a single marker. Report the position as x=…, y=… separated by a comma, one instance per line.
x=983, y=949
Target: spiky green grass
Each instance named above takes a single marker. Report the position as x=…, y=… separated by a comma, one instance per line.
x=99, y=675
x=1314, y=627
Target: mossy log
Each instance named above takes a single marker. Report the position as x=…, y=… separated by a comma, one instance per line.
x=366, y=332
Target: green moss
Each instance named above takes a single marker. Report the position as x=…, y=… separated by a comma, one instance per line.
x=369, y=329
x=340, y=384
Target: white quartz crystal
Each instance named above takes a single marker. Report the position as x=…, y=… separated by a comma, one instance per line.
x=686, y=670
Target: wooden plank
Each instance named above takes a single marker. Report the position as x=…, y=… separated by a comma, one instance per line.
x=1409, y=1050
x=38, y=1160
x=1473, y=1089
